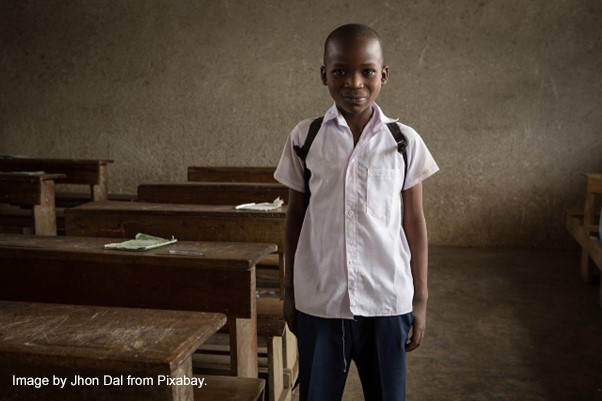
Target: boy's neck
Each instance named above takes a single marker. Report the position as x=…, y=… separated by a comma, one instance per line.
x=357, y=122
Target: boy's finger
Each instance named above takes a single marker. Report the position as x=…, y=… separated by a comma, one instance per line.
x=412, y=345
x=414, y=342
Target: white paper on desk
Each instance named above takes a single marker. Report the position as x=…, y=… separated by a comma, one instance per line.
x=21, y=173
x=143, y=242
x=262, y=206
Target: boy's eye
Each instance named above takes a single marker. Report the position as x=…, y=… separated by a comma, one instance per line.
x=369, y=72
x=338, y=73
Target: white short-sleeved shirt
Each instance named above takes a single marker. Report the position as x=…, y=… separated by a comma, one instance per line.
x=352, y=257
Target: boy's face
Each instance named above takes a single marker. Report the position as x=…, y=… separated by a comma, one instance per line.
x=354, y=73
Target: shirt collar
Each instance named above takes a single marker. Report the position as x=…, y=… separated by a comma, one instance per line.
x=378, y=117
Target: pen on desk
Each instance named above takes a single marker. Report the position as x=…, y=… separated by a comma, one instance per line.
x=185, y=253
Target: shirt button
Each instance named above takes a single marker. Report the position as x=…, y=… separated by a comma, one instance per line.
x=351, y=262
x=350, y=213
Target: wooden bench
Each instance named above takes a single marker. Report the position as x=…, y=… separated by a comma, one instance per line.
x=74, y=270
x=232, y=174
x=191, y=222
x=584, y=227
x=39, y=340
x=34, y=190
x=83, y=172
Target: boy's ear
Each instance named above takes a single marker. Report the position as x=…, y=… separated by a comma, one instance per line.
x=384, y=77
x=323, y=75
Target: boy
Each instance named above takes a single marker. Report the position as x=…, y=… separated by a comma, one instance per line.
x=352, y=290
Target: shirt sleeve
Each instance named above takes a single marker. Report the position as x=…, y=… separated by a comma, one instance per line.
x=421, y=164
x=290, y=167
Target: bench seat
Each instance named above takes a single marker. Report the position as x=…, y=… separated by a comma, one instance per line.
x=229, y=388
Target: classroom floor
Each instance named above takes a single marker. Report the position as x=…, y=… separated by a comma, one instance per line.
x=505, y=325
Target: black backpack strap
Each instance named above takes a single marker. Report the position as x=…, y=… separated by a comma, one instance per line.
x=302, y=151
x=402, y=145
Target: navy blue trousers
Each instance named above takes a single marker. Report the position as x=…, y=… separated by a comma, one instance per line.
x=375, y=344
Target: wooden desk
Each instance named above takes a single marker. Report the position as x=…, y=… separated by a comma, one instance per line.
x=73, y=270
x=222, y=193
x=211, y=193
x=185, y=222
x=87, y=172
x=232, y=174
x=42, y=340
x=32, y=189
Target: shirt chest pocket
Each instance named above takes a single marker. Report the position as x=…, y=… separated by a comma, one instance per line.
x=383, y=189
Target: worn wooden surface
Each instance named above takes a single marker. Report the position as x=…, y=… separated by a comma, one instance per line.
x=79, y=271
x=211, y=193
x=232, y=174
x=185, y=222
x=67, y=340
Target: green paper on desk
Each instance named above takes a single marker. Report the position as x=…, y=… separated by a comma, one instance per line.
x=143, y=242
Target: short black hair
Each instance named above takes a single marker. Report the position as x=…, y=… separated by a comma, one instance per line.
x=352, y=31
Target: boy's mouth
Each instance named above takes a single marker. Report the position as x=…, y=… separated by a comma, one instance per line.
x=355, y=99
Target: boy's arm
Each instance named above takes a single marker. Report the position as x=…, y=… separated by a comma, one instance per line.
x=295, y=214
x=414, y=226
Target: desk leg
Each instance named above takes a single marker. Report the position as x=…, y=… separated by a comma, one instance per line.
x=182, y=393
x=290, y=358
x=243, y=346
x=44, y=214
x=276, y=374
x=100, y=191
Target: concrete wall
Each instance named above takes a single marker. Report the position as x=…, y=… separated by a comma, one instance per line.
x=505, y=93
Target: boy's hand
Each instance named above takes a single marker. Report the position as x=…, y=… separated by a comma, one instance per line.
x=290, y=313
x=418, y=325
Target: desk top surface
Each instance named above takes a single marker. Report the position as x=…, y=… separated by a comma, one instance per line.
x=91, y=335
x=172, y=209
x=28, y=176
x=236, y=255
x=8, y=159
x=216, y=184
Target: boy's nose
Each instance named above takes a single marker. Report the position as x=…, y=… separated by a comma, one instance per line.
x=354, y=81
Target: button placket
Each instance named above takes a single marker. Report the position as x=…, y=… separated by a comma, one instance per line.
x=351, y=232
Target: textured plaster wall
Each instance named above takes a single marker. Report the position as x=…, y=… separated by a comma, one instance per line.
x=507, y=94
